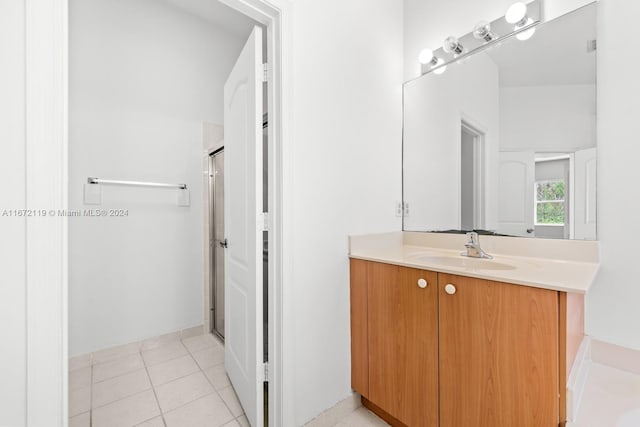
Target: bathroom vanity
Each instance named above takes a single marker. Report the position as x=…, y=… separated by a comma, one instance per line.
x=495, y=137
x=438, y=339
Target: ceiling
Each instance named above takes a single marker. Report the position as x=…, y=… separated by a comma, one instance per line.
x=218, y=14
x=555, y=55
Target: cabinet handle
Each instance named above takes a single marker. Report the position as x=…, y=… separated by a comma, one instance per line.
x=450, y=289
x=422, y=283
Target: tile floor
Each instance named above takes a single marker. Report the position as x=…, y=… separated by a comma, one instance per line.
x=611, y=399
x=176, y=380
x=361, y=417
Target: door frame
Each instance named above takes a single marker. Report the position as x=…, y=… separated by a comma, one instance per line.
x=47, y=177
x=479, y=133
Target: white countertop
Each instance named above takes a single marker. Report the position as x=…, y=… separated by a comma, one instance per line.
x=567, y=275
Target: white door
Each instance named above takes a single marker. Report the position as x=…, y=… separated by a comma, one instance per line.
x=243, y=228
x=517, y=174
x=585, y=194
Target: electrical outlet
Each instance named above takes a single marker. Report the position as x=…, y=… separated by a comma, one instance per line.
x=402, y=209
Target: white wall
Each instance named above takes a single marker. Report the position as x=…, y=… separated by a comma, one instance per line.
x=435, y=106
x=553, y=118
x=612, y=312
x=12, y=229
x=347, y=74
x=143, y=78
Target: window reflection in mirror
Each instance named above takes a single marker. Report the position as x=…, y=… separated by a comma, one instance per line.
x=505, y=141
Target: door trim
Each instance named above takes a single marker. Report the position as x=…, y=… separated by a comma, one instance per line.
x=479, y=181
x=46, y=149
x=46, y=55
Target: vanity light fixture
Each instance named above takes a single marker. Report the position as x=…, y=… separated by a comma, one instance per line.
x=519, y=22
x=426, y=57
x=452, y=45
x=482, y=31
x=517, y=15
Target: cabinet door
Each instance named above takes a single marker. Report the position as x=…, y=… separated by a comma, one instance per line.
x=498, y=354
x=403, y=343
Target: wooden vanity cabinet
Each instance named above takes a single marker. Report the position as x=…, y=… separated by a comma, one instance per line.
x=475, y=353
x=498, y=354
x=403, y=335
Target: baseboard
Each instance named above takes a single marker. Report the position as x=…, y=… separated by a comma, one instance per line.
x=578, y=378
x=615, y=356
x=336, y=413
x=106, y=354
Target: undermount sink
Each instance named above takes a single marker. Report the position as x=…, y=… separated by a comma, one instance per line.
x=465, y=262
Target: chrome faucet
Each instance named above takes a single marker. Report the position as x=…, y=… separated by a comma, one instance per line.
x=473, y=247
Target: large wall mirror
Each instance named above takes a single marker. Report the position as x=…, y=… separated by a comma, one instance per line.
x=504, y=141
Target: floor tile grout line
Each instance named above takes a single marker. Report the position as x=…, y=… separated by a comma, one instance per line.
x=153, y=387
x=191, y=353
x=220, y=396
x=165, y=361
x=189, y=402
x=227, y=405
x=175, y=379
x=146, y=368
x=123, y=398
x=91, y=355
x=91, y=396
x=118, y=376
x=184, y=376
x=134, y=394
x=208, y=394
x=215, y=391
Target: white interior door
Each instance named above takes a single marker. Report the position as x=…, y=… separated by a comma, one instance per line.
x=243, y=228
x=516, y=177
x=585, y=194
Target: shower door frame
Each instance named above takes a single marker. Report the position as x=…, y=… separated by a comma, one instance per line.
x=213, y=248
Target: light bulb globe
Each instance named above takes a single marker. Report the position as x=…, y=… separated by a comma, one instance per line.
x=481, y=29
x=425, y=56
x=526, y=35
x=516, y=13
x=451, y=45
x=441, y=69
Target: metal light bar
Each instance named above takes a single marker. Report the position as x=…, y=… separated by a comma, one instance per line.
x=135, y=183
x=502, y=31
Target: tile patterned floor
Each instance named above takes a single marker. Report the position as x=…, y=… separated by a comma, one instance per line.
x=611, y=399
x=176, y=380
x=361, y=417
